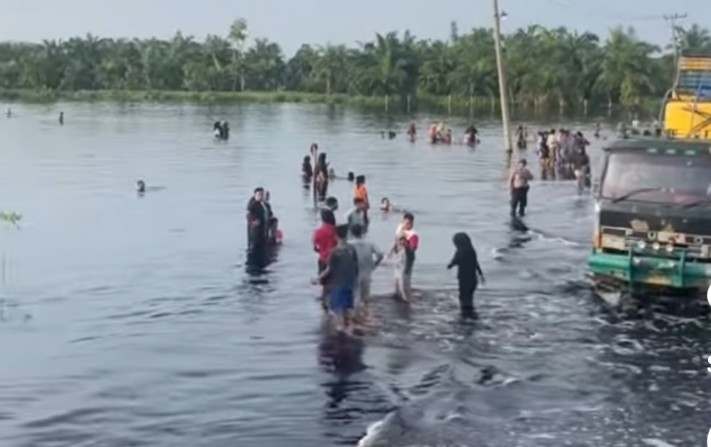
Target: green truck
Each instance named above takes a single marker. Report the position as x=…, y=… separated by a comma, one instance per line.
x=653, y=216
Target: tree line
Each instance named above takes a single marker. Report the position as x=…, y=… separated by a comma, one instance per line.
x=544, y=66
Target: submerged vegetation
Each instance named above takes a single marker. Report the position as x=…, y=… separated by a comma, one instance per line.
x=548, y=68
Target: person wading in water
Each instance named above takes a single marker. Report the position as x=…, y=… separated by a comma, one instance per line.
x=257, y=226
x=468, y=273
x=518, y=185
x=324, y=241
x=342, y=275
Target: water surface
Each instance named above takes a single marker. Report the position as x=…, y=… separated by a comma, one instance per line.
x=130, y=321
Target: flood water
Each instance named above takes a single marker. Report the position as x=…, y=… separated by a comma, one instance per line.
x=131, y=321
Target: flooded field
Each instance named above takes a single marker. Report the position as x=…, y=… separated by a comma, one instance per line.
x=131, y=321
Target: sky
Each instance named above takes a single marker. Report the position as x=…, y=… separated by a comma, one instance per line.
x=293, y=22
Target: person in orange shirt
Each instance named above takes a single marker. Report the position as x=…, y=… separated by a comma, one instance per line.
x=361, y=192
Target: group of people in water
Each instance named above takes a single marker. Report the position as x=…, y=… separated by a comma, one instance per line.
x=562, y=154
x=346, y=258
x=221, y=130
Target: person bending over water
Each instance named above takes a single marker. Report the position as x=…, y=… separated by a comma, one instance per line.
x=369, y=258
x=341, y=274
x=518, y=186
x=403, y=258
x=468, y=273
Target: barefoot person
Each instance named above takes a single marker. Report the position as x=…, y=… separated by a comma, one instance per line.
x=341, y=274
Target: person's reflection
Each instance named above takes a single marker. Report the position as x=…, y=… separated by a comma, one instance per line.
x=258, y=260
x=342, y=357
x=519, y=234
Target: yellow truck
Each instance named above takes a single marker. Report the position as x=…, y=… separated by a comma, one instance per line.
x=687, y=107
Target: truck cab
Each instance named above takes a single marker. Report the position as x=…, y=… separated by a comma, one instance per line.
x=653, y=215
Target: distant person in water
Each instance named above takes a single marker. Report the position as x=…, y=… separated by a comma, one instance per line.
x=468, y=273
x=361, y=192
x=257, y=221
x=321, y=174
x=342, y=275
x=61, y=118
x=307, y=171
x=217, y=130
x=331, y=174
x=412, y=132
x=387, y=206
x=521, y=142
x=470, y=135
x=140, y=187
x=9, y=112
x=351, y=176
x=225, y=130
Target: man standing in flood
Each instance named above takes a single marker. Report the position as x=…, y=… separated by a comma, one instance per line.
x=342, y=276
x=257, y=219
x=518, y=186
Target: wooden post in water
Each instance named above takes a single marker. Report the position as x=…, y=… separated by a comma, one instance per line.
x=503, y=89
x=314, y=155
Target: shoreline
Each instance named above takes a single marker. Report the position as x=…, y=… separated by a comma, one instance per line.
x=451, y=105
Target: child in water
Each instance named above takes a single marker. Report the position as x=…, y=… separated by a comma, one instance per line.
x=468, y=274
x=387, y=206
x=361, y=192
x=403, y=258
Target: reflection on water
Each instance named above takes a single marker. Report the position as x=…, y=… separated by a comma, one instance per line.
x=143, y=322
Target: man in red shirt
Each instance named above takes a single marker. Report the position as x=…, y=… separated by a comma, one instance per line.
x=325, y=240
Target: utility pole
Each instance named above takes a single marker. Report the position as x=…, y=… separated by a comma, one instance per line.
x=672, y=18
x=503, y=87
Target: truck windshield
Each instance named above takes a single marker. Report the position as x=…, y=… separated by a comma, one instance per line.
x=647, y=177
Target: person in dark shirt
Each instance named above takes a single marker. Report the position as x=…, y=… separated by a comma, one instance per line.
x=307, y=171
x=257, y=220
x=468, y=274
x=341, y=275
x=581, y=165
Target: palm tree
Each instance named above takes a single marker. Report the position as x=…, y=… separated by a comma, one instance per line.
x=238, y=37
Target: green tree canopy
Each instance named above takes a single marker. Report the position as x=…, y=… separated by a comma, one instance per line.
x=544, y=65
